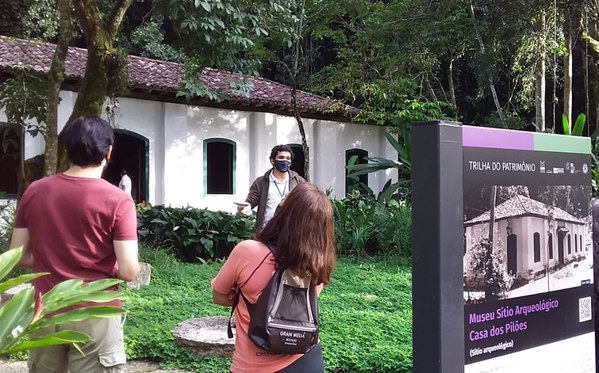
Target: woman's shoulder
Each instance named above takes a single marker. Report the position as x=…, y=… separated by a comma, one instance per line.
x=250, y=248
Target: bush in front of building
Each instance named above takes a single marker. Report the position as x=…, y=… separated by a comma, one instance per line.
x=192, y=234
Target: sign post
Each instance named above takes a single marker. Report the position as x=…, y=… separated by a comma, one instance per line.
x=502, y=251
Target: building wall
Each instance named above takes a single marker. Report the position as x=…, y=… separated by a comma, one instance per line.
x=524, y=228
x=176, y=135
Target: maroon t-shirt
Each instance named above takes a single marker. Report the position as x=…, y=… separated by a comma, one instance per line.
x=72, y=222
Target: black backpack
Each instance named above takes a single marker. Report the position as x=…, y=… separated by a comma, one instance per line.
x=284, y=320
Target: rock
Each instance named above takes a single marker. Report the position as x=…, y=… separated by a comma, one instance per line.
x=8, y=294
x=206, y=336
x=144, y=277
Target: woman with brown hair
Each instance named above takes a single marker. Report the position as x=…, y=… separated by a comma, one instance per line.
x=302, y=231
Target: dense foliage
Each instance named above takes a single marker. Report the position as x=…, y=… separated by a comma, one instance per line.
x=364, y=226
x=365, y=315
x=193, y=234
x=399, y=60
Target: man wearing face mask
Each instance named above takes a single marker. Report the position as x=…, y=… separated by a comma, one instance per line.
x=269, y=190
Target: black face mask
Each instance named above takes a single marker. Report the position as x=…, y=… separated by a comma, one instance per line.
x=282, y=165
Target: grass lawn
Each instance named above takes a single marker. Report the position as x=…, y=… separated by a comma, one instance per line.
x=365, y=315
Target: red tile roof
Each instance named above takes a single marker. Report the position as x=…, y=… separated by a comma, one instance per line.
x=148, y=75
x=518, y=206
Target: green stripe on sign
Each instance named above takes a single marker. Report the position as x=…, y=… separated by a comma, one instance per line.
x=560, y=143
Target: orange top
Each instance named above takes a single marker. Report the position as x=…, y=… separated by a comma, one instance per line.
x=243, y=260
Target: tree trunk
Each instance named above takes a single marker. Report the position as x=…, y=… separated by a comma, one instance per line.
x=454, y=105
x=100, y=37
x=55, y=78
x=540, y=86
x=294, y=74
x=489, y=257
x=593, y=45
x=491, y=84
x=568, y=68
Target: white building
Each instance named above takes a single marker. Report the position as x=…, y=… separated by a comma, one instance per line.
x=205, y=153
x=528, y=239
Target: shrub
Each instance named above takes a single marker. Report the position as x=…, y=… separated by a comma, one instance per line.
x=7, y=221
x=191, y=233
x=26, y=313
x=365, y=226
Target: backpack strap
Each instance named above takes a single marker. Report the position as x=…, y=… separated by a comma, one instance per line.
x=250, y=305
x=236, y=295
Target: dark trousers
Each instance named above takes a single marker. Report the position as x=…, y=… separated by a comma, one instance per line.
x=312, y=362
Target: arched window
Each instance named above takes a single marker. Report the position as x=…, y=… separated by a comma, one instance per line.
x=299, y=159
x=9, y=160
x=569, y=244
x=575, y=242
x=360, y=182
x=537, y=247
x=550, y=246
x=219, y=166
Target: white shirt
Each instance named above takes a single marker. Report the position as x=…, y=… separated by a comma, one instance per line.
x=277, y=190
x=125, y=184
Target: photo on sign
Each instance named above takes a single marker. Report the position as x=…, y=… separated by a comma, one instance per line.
x=541, y=240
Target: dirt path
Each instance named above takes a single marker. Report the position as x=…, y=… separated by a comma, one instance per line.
x=135, y=366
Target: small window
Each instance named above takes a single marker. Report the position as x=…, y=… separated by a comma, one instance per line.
x=219, y=166
x=550, y=246
x=357, y=182
x=537, y=247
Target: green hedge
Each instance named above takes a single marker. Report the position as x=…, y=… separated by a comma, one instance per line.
x=363, y=227
x=193, y=234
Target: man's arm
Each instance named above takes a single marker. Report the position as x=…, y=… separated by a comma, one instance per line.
x=20, y=237
x=253, y=197
x=127, y=261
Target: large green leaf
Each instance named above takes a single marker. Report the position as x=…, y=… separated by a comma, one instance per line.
x=565, y=124
x=9, y=260
x=15, y=316
x=101, y=284
x=9, y=284
x=579, y=125
x=62, y=289
x=79, y=315
x=58, y=338
x=80, y=297
x=374, y=164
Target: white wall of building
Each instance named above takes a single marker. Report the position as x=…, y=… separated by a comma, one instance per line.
x=176, y=135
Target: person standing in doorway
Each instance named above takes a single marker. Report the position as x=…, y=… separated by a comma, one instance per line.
x=268, y=190
x=125, y=183
x=75, y=225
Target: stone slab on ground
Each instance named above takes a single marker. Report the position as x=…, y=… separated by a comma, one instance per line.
x=143, y=279
x=10, y=293
x=205, y=336
x=134, y=366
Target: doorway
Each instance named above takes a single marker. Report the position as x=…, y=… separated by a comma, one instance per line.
x=130, y=152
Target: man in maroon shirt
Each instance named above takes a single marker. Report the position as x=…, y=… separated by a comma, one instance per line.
x=75, y=225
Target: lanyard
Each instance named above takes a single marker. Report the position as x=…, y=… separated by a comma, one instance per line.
x=282, y=194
